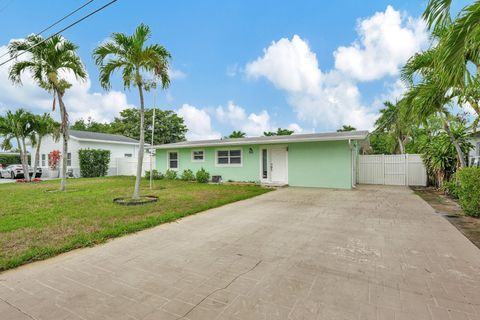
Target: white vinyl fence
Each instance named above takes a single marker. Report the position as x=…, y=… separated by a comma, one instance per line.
x=128, y=166
x=398, y=169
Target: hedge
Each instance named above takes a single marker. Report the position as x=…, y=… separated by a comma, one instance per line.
x=93, y=162
x=8, y=159
x=469, y=190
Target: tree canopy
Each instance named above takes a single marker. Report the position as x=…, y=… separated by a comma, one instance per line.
x=279, y=132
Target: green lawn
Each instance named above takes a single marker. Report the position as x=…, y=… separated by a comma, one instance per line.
x=35, y=224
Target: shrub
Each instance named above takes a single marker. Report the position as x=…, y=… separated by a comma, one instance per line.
x=54, y=159
x=469, y=190
x=451, y=188
x=187, y=175
x=93, y=162
x=170, y=174
x=8, y=159
x=202, y=176
x=156, y=175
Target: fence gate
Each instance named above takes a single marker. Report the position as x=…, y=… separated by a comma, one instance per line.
x=398, y=169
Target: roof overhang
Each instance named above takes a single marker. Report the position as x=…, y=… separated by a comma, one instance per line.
x=105, y=141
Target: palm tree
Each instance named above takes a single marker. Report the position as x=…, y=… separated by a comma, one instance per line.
x=43, y=125
x=131, y=55
x=392, y=121
x=237, y=134
x=17, y=126
x=47, y=61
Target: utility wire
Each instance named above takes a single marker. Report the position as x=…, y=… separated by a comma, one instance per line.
x=57, y=33
x=57, y=22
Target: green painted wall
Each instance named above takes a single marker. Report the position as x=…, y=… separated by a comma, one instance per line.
x=320, y=164
x=310, y=164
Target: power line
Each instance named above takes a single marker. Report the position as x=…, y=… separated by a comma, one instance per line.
x=57, y=22
x=57, y=33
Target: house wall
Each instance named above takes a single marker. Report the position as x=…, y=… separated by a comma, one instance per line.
x=475, y=151
x=310, y=164
x=117, y=150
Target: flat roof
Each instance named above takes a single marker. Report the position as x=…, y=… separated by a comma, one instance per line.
x=312, y=137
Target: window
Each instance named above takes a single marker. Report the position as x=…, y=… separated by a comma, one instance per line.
x=173, y=160
x=127, y=155
x=264, y=164
x=197, y=155
x=69, y=159
x=229, y=157
x=44, y=157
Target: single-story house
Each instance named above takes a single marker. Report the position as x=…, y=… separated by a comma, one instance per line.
x=308, y=160
x=474, y=154
x=119, y=146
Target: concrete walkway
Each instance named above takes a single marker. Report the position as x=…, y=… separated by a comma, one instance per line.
x=370, y=253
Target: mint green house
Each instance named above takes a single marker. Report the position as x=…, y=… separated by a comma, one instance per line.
x=306, y=160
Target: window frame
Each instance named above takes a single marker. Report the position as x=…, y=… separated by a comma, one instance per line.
x=229, y=164
x=198, y=150
x=168, y=160
x=69, y=159
x=43, y=160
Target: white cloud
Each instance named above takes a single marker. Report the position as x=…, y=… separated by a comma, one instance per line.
x=387, y=40
x=232, y=70
x=295, y=127
x=79, y=99
x=176, y=74
x=198, y=123
x=289, y=64
x=253, y=125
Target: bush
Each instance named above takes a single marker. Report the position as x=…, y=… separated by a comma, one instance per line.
x=8, y=159
x=156, y=175
x=202, y=176
x=93, y=162
x=170, y=174
x=451, y=188
x=469, y=190
x=187, y=175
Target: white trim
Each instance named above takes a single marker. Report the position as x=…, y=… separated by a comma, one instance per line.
x=168, y=160
x=235, y=165
x=197, y=150
x=107, y=141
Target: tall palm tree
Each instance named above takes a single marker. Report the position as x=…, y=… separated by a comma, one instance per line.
x=392, y=120
x=237, y=134
x=135, y=59
x=48, y=60
x=43, y=125
x=17, y=126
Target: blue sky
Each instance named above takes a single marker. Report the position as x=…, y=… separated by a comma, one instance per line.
x=240, y=65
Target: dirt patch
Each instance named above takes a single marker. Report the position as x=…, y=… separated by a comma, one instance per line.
x=451, y=211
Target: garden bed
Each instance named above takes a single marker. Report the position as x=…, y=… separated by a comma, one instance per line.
x=450, y=210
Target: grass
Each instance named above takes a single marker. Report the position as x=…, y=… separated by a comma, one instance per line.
x=36, y=224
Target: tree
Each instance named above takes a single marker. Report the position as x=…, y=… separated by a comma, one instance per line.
x=17, y=126
x=43, y=125
x=48, y=61
x=280, y=132
x=169, y=127
x=91, y=125
x=236, y=134
x=346, y=128
x=135, y=59
x=392, y=121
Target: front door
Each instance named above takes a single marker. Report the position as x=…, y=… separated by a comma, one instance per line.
x=278, y=165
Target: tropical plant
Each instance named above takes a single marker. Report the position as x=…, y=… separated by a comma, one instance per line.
x=279, y=132
x=156, y=175
x=170, y=174
x=187, y=175
x=469, y=190
x=346, y=128
x=202, y=176
x=43, y=125
x=48, y=62
x=17, y=126
x=54, y=159
x=393, y=121
x=237, y=134
x=135, y=59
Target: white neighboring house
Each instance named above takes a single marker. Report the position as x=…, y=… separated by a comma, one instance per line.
x=122, y=150
x=474, y=154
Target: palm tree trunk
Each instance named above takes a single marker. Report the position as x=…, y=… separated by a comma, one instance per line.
x=26, y=167
x=64, y=131
x=400, y=145
x=37, y=156
x=136, y=192
x=22, y=154
x=460, y=155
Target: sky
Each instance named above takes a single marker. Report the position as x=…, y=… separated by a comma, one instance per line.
x=254, y=66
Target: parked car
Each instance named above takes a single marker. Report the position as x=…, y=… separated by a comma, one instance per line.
x=15, y=171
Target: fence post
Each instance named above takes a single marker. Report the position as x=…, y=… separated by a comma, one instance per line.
x=406, y=169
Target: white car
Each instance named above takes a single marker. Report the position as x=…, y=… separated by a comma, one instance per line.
x=15, y=171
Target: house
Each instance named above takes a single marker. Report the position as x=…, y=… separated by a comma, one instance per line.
x=119, y=146
x=307, y=160
x=474, y=154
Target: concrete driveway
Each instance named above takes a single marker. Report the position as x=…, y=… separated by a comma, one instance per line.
x=370, y=253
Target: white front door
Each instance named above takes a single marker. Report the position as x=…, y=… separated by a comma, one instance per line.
x=278, y=165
